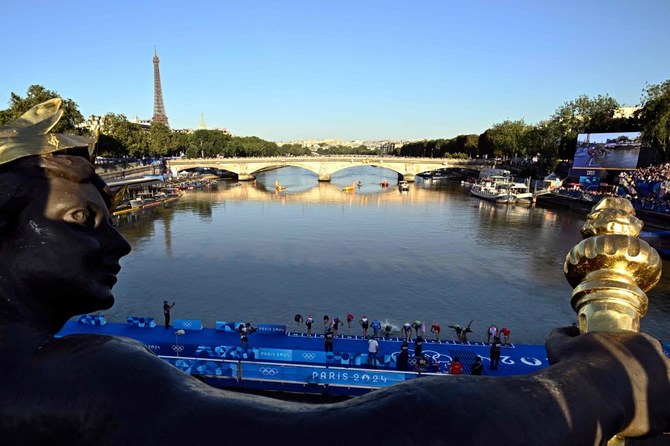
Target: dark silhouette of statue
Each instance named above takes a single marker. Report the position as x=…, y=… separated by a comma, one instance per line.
x=59, y=256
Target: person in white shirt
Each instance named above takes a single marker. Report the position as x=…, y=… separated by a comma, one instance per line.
x=373, y=350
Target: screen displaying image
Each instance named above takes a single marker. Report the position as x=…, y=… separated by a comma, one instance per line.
x=615, y=151
x=587, y=181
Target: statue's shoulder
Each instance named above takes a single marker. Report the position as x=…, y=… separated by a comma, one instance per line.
x=84, y=383
x=27, y=352
x=95, y=351
x=92, y=344
x=105, y=365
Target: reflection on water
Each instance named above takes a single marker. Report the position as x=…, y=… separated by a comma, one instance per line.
x=251, y=253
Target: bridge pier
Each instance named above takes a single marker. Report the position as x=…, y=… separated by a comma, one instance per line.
x=324, y=177
x=245, y=177
x=409, y=177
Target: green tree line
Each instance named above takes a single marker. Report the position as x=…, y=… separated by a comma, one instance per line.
x=551, y=139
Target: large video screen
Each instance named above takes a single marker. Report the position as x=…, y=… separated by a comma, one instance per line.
x=612, y=151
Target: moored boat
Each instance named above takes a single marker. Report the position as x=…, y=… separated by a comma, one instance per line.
x=147, y=200
x=502, y=189
x=521, y=193
x=495, y=188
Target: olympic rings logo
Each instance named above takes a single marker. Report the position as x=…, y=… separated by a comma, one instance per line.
x=186, y=324
x=309, y=356
x=178, y=348
x=268, y=371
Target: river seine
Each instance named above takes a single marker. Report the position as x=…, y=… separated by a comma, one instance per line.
x=250, y=253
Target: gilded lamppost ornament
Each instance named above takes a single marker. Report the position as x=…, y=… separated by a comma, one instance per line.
x=611, y=269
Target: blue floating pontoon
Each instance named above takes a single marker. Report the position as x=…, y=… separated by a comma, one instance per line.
x=279, y=360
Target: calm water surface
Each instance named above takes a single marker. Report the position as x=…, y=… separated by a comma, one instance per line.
x=247, y=253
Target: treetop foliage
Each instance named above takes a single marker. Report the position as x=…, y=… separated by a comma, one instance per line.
x=553, y=138
x=36, y=94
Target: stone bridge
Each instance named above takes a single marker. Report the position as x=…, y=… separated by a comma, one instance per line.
x=325, y=166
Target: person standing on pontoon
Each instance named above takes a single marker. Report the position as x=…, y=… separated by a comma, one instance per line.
x=166, y=312
x=492, y=332
x=435, y=329
x=298, y=320
x=407, y=331
x=418, y=346
x=365, y=323
x=373, y=351
x=328, y=340
x=376, y=326
x=336, y=325
x=505, y=332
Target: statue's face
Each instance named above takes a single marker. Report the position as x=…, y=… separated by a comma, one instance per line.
x=66, y=251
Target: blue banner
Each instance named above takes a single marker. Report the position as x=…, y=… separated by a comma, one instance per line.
x=273, y=354
x=288, y=355
x=228, y=327
x=320, y=375
x=355, y=377
x=203, y=367
x=141, y=322
x=92, y=319
x=271, y=329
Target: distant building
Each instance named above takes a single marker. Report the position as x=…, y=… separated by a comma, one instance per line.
x=386, y=146
x=625, y=112
x=144, y=123
x=190, y=131
x=92, y=124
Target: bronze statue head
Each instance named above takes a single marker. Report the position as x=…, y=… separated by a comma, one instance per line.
x=59, y=251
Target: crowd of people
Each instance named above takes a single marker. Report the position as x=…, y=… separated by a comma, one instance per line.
x=646, y=188
x=415, y=331
x=408, y=331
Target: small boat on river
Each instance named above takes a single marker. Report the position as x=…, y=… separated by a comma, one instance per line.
x=279, y=187
x=495, y=188
x=522, y=193
x=147, y=200
x=350, y=188
x=501, y=189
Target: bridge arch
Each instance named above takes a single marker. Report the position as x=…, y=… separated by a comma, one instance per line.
x=325, y=166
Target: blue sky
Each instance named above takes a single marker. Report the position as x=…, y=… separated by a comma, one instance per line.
x=348, y=69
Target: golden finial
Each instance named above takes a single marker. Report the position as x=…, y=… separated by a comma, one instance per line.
x=29, y=134
x=611, y=269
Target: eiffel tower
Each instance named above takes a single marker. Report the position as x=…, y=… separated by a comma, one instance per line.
x=159, y=108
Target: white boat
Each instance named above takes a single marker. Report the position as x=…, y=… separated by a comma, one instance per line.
x=495, y=188
x=142, y=199
x=502, y=189
x=521, y=192
x=403, y=186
